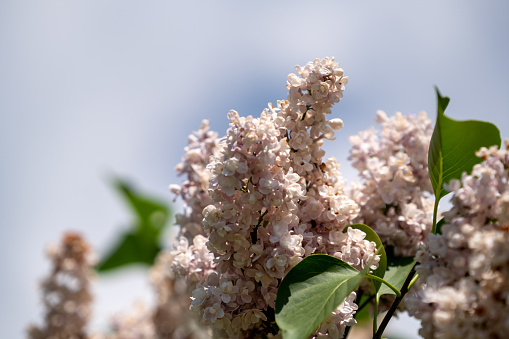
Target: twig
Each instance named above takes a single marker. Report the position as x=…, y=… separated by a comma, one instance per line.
x=394, y=306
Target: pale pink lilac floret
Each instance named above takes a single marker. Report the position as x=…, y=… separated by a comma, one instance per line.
x=464, y=273
x=272, y=200
x=394, y=195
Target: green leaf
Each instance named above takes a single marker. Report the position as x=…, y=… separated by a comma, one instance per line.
x=149, y=211
x=141, y=243
x=398, y=269
x=452, y=148
x=131, y=248
x=309, y=293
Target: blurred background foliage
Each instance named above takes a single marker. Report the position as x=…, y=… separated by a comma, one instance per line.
x=142, y=241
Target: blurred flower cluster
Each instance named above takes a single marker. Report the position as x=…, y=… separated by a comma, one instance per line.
x=66, y=292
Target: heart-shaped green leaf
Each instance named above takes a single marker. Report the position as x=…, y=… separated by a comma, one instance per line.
x=452, y=148
x=309, y=293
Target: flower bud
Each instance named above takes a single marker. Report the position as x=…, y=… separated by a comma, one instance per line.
x=336, y=124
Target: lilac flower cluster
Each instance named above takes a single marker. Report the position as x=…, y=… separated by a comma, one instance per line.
x=201, y=145
x=394, y=197
x=66, y=292
x=190, y=258
x=272, y=201
x=464, y=272
x=171, y=317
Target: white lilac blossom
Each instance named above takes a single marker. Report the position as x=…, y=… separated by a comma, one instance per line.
x=272, y=200
x=66, y=292
x=463, y=289
x=394, y=196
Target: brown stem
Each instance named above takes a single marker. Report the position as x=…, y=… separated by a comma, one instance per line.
x=394, y=306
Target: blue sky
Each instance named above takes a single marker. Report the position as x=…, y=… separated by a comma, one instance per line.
x=90, y=89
